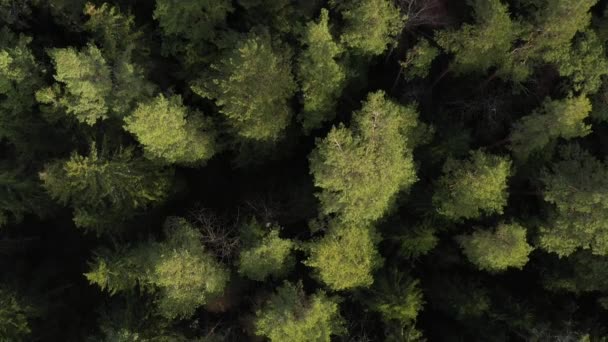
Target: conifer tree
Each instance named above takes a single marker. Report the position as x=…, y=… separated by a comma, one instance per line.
x=89, y=88
x=576, y=186
x=418, y=60
x=497, y=250
x=555, y=119
x=20, y=196
x=14, y=313
x=105, y=189
x=169, y=131
x=252, y=85
x=264, y=254
x=178, y=270
x=361, y=169
x=346, y=257
x=321, y=76
x=291, y=315
x=189, y=26
x=485, y=44
x=370, y=26
x=470, y=188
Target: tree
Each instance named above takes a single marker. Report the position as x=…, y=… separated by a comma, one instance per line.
x=575, y=185
x=14, y=315
x=252, y=85
x=346, y=164
x=555, y=119
x=469, y=188
x=417, y=63
x=397, y=297
x=169, y=131
x=113, y=31
x=178, y=270
x=89, y=88
x=581, y=272
x=264, y=253
x=345, y=258
x=584, y=62
x=105, y=189
x=370, y=26
x=189, y=26
x=291, y=315
x=322, y=78
x=20, y=77
x=485, y=44
x=20, y=196
x=498, y=250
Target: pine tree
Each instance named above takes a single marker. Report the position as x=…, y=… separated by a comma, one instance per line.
x=105, y=189
x=497, y=250
x=345, y=258
x=178, y=270
x=370, y=26
x=265, y=254
x=361, y=169
x=19, y=196
x=252, y=85
x=555, y=119
x=576, y=186
x=322, y=78
x=417, y=63
x=291, y=315
x=470, y=188
x=169, y=131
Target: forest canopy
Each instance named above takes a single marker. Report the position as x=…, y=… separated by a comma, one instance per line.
x=303, y=170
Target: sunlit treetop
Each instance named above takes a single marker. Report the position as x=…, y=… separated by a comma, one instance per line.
x=361, y=169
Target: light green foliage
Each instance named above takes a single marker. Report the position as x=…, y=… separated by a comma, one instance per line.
x=113, y=31
x=346, y=164
x=396, y=297
x=584, y=63
x=497, y=250
x=19, y=196
x=576, y=185
x=19, y=79
x=105, y=189
x=370, y=25
x=418, y=60
x=291, y=315
x=14, y=326
x=470, y=188
x=169, y=132
x=579, y=273
x=87, y=84
x=555, y=119
x=89, y=88
x=487, y=43
x=178, y=270
x=264, y=254
x=252, y=84
x=345, y=258
x=187, y=25
x=322, y=78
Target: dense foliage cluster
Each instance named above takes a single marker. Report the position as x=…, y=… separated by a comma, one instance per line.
x=303, y=170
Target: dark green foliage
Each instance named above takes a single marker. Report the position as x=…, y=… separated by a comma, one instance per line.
x=105, y=189
x=252, y=84
x=575, y=186
x=439, y=165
